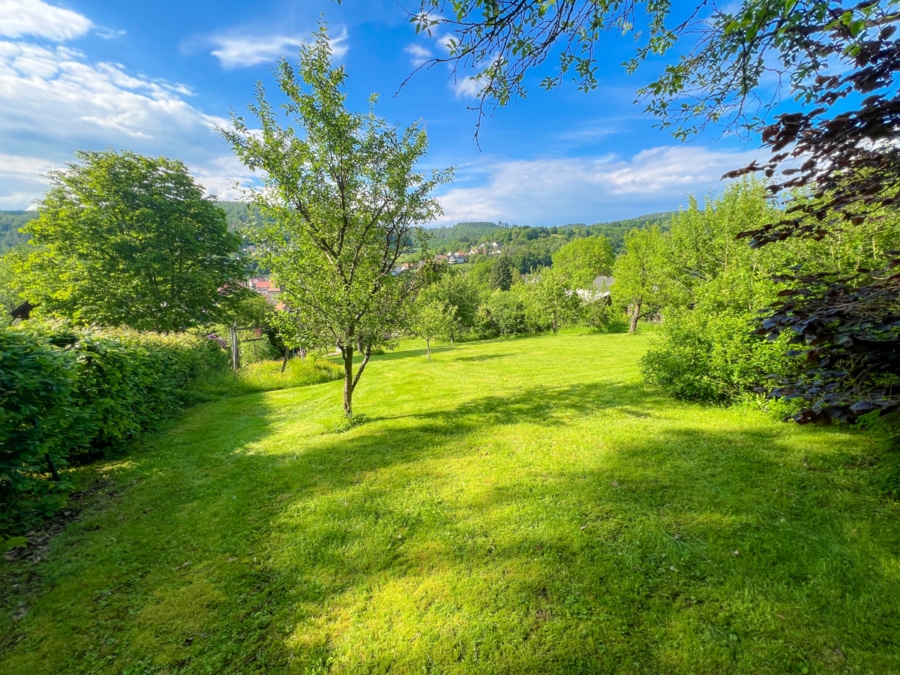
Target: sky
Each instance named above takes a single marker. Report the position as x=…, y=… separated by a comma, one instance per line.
x=162, y=78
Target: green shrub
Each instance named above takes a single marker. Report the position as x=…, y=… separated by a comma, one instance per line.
x=503, y=313
x=713, y=357
x=68, y=396
x=37, y=412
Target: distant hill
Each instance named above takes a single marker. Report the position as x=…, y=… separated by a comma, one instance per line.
x=529, y=246
x=10, y=222
x=532, y=247
x=471, y=234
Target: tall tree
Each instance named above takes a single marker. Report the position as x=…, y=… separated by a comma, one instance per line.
x=342, y=201
x=583, y=260
x=129, y=240
x=501, y=278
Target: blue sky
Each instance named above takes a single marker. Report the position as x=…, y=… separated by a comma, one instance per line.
x=159, y=77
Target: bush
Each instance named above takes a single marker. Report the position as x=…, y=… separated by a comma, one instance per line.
x=502, y=314
x=67, y=395
x=603, y=317
x=713, y=357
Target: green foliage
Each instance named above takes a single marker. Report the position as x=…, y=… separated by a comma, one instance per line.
x=713, y=356
x=341, y=206
x=432, y=319
x=11, y=289
x=602, y=316
x=583, y=260
x=501, y=278
x=713, y=287
x=72, y=394
x=639, y=284
x=550, y=303
x=127, y=240
x=458, y=293
x=503, y=313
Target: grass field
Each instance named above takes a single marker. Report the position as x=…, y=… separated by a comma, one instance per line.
x=513, y=506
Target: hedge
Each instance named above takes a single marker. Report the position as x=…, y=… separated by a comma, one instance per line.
x=71, y=395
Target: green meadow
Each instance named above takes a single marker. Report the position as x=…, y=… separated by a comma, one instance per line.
x=517, y=506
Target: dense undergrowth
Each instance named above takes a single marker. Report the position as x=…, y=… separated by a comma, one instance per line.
x=68, y=396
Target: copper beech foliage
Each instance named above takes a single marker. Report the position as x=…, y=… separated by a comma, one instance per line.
x=849, y=162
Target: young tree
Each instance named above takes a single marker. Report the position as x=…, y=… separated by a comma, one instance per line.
x=342, y=202
x=456, y=292
x=550, y=302
x=127, y=240
x=432, y=319
x=638, y=274
x=583, y=260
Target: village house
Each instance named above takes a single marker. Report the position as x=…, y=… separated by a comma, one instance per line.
x=265, y=288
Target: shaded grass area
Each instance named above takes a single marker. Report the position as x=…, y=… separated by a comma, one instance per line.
x=513, y=506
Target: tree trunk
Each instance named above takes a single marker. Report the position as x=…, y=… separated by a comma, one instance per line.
x=635, y=314
x=287, y=352
x=428, y=347
x=555, y=328
x=347, y=353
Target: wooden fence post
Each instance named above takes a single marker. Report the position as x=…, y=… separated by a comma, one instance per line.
x=235, y=349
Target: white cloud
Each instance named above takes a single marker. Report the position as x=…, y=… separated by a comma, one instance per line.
x=466, y=87
x=419, y=55
x=245, y=50
x=588, y=189
x=110, y=33
x=36, y=18
x=56, y=93
x=54, y=100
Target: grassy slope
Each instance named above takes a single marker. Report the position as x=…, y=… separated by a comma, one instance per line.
x=518, y=506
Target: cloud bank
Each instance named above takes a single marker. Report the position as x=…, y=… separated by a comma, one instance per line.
x=586, y=189
x=19, y=18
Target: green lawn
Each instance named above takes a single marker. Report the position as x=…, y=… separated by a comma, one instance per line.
x=513, y=506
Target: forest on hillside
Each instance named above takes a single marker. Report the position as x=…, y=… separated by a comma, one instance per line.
x=10, y=222
x=529, y=247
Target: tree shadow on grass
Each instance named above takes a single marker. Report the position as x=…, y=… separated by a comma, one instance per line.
x=409, y=353
x=672, y=558
x=309, y=554
x=484, y=357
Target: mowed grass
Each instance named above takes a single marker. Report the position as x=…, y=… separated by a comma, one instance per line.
x=513, y=506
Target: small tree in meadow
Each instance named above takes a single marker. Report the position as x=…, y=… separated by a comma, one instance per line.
x=433, y=319
x=341, y=205
x=550, y=303
x=638, y=274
